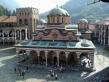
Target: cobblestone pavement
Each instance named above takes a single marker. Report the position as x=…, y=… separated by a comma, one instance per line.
x=38, y=74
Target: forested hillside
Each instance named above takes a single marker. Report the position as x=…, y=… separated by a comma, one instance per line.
x=5, y=12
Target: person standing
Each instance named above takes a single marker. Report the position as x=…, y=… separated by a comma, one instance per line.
x=56, y=77
x=23, y=73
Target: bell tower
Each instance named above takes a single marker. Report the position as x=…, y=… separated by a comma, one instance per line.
x=27, y=17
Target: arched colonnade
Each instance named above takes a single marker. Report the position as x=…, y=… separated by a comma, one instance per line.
x=58, y=58
x=11, y=36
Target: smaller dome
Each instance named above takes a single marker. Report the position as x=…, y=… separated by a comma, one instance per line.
x=58, y=11
x=42, y=21
x=83, y=20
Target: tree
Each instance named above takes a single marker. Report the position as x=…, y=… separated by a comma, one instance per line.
x=13, y=13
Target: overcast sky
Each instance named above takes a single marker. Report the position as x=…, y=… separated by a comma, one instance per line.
x=42, y=5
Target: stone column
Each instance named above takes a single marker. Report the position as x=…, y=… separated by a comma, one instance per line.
x=28, y=53
x=91, y=57
x=3, y=37
x=8, y=37
x=26, y=38
x=104, y=36
x=15, y=35
x=57, y=57
x=17, y=53
x=78, y=57
x=108, y=35
x=38, y=54
x=46, y=52
x=78, y=54
x=20, y=35
x=66, y=54
x=101, y=34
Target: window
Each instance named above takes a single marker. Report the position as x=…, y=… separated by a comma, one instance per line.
x=28, y=14
x=53, y=20
x=20, y=14
x=20, y=21
x=58, y=20
x=62, y=20
x=0, y=33
x=25, y=21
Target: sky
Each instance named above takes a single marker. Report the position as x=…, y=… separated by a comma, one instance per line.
x=42, y=5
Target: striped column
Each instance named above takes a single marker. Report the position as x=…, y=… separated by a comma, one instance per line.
x=91, y=56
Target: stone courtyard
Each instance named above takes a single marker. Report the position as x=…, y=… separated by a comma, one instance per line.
x=36, y=73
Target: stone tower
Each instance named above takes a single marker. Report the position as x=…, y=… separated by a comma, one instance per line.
x=27, y=17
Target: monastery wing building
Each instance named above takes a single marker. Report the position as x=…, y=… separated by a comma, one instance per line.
x=51, y=42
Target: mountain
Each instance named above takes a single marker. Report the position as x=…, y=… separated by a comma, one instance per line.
x=80, y=9
x=2, y=10
x=6, y=12
x=77, y=9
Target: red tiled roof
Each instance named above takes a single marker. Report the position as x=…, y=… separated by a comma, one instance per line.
x=8, y=19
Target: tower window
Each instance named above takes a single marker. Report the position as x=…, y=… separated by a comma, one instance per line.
x=20, y=14
x=20, y=21
x=28, y=14
x=25, y=21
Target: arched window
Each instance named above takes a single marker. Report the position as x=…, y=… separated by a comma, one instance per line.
x=20, y=21
x=23, y=34
x=62, y=20
x=53, y=20
x=25, y=21
x=7, y=25
x=10, y=25
x=20, y=14
x=58, y=20
x=0, y=33
x=28, y=13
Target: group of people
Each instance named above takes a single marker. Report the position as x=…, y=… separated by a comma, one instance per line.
x=20, y=71
x=52, y=75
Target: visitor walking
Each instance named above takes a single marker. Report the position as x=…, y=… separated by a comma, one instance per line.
x=23, y=73
x=15, y=69
x=56, y=77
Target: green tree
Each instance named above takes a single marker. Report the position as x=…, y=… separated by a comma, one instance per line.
x=13, y=13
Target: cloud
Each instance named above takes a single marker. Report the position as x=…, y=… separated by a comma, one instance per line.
x=42, y=5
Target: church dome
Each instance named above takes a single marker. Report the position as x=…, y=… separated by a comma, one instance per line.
x=58, y=11
x=83, y=20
